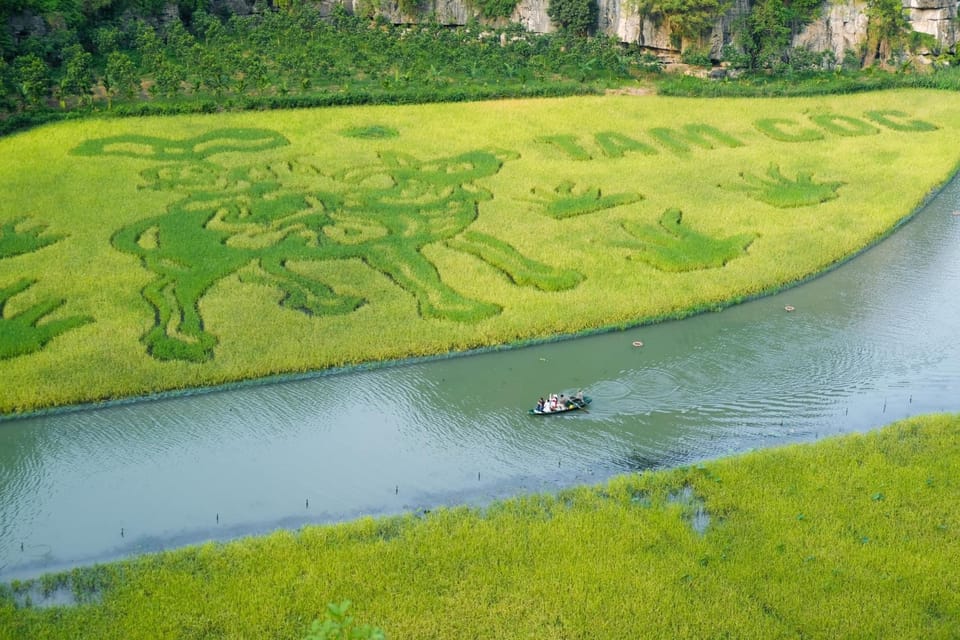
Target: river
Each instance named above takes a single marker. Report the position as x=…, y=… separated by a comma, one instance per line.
x=871, y=342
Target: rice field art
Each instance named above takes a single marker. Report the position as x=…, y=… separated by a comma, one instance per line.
x=140, y=256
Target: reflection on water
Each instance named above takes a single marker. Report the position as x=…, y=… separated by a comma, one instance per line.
x=870, y=343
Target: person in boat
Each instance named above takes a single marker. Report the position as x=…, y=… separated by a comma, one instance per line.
x=578, y=398
x=562, y=402
x=541, y=403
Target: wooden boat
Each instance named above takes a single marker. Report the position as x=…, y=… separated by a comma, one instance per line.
x=570, y=404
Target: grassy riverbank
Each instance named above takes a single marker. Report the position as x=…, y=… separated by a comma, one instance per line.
x=853, y=536
x=139, y=256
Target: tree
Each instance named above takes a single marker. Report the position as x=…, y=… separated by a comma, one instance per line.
x=208, y=28
x=214, y=72
x=685, y=19
x=887, y=29
x=180, y=41
x=106, y=39
x=256, y=71
x=168, y=78
x=7, y=98
x=149, y=47
x=768, y=30
x=77, y=79
x=578, y=17
x=32, y=79
x=120, y=76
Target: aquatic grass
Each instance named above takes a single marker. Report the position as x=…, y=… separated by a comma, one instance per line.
x=514, y=229
x=798, y=543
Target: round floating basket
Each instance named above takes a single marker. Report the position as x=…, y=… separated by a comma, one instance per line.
x=789, y=307
x=637, y=343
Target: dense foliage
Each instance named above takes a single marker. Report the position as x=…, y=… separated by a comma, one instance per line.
x=578, y=17
x=795, y=84
x=687, y=20
x=887, y=30
x=289, y=58
x=493, y=9
x=851, y=537
x=767, y=32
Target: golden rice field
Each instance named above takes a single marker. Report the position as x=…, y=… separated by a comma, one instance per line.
x=849, y=537
x=155, y=254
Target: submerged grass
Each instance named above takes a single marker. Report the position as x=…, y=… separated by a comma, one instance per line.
x=174, y=253
x=853, y=536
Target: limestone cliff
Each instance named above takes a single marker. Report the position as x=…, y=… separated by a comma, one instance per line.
x=842, y=25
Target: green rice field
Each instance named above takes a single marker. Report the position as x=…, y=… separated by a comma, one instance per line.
x=849, y=537
x=157, y=254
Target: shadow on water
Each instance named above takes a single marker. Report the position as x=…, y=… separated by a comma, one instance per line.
x=869, y=343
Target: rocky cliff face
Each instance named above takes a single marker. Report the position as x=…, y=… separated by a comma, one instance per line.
x=842, y=26
x=935, y=17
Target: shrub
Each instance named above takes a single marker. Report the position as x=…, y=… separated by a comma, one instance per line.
x=493, y=9
x=578, y=17
x=696, y=56
x=337, y=625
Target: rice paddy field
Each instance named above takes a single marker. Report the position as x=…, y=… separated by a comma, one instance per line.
x=849, y=537
x=154, y=254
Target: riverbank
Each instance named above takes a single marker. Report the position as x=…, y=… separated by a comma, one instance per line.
x=848, y=536
x=208, y=250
